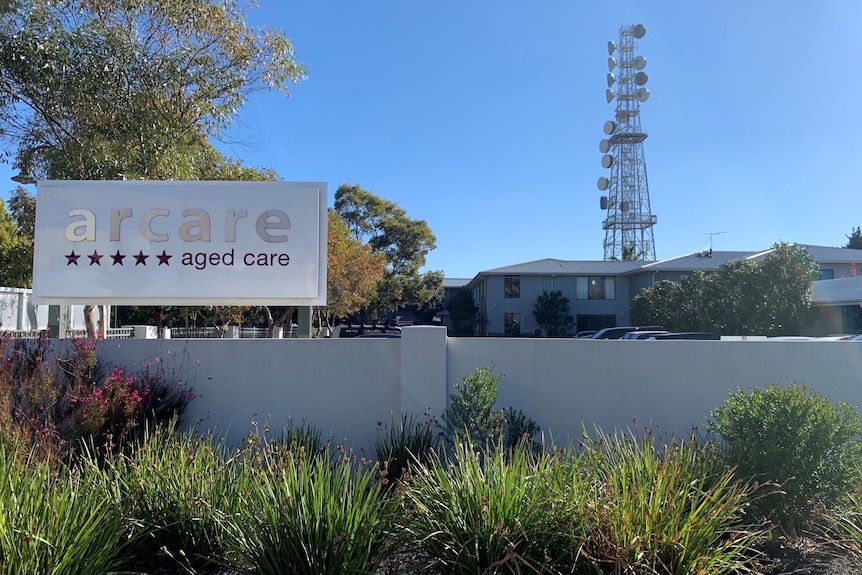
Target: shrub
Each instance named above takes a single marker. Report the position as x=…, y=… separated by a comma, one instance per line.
x=61, y=397
x=399, y=444
x=491, y=514
x=471, y=412
x=176, y=492
x=314, y=517
x=671, y=508
x=795, y=437
x=58, y=523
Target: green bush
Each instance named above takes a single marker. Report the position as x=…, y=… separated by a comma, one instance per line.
x=410, y=441
x=794, y=437
x=491, y=514
x=312, y=517
x=471, y=413
x=59, y=522
x=669, y=508
x=176, y=492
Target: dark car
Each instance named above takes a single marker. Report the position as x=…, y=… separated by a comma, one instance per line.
x=618, y=332
x=688, y=335
x=584, y=334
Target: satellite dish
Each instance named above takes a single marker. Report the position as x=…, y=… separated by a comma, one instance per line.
x=603, y=202
x=611, y=64
x=611, y=80
x=624, y=206
x=639, y=62
x=604, y=146
x=611, y=48
x=638, y=31
x=609, y=95
x=607, y=161
x=603, y=183
x=643, y=94
x=641, y=78
x=622, y=116
x=609, y=127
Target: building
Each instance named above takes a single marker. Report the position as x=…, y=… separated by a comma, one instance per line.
x=601, y=293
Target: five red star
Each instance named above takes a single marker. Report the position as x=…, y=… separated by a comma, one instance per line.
x=140, y=258
x=72, y=258
x=118, y=259
x=95, y=258
x=163, y=259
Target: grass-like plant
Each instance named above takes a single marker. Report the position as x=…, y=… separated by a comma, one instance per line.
x=797, y=438
x=312, y=517
x=176, y=491
x=410, y=441
x=670, y=508
x=59, y=522
x=491, y=514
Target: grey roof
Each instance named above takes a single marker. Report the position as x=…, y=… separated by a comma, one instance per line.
x=696, y=261
x=550, y=266
x=455, y=282
x=838, y=291
x=827, y=255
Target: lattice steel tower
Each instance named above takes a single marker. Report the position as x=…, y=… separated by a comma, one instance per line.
x=629, y=222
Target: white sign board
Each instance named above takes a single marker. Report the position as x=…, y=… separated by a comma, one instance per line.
x=180, y=243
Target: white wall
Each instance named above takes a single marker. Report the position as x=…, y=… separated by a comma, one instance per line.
x=345, y=386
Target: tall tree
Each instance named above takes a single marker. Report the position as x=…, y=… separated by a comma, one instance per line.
x=551, y=312
x=463, y=312
x=854, y=240
x=16, y=239
x=402, y=241
x=353, y=271
x=96, y=89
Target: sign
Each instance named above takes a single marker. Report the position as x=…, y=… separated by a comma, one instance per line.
x=180, y=243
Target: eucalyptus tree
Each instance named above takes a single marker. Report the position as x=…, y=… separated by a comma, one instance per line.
x=99, y=89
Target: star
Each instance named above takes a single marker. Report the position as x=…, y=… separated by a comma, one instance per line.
x=140, y=258
x=118, y=259
x=72, y=258
x=95, y=258
x=163, y=259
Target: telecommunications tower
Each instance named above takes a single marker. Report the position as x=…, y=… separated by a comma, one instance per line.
x=629, y=221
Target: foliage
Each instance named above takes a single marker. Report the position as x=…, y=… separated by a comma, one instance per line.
x=401, y=444
x=353, y=270
x=402, y=241
x=471, y=413
x=58, y=523
x=106, y=90
x=64, y=398
x=471, y=408
x=490, y=516
x=463, y=312
x=176, y=492
x=663, y=508
x=794, y=437
x=16, y=239
x=854, y=240
x=551, y=312
x=314, y=517
x=769, y=297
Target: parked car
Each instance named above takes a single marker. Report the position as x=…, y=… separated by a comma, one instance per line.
x=584, y=334
x=618, y=332
x=703, y=335
x=342, y=331
x=646, y=334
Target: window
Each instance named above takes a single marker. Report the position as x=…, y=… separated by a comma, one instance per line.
x=512, y=323
x=512, y=286
x=827, y=274
x=595, y=287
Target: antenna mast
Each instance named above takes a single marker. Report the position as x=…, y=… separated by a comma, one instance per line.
x=628, y=221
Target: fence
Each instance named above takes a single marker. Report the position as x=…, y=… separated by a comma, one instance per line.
x=347, y=386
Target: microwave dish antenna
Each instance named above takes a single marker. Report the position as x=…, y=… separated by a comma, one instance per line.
x=628, y=221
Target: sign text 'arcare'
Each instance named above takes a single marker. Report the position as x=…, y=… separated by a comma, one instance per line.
x=180, y=243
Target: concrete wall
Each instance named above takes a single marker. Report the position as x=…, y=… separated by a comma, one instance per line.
x=345, y=387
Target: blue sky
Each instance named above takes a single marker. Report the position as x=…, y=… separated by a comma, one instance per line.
x=483, y=118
